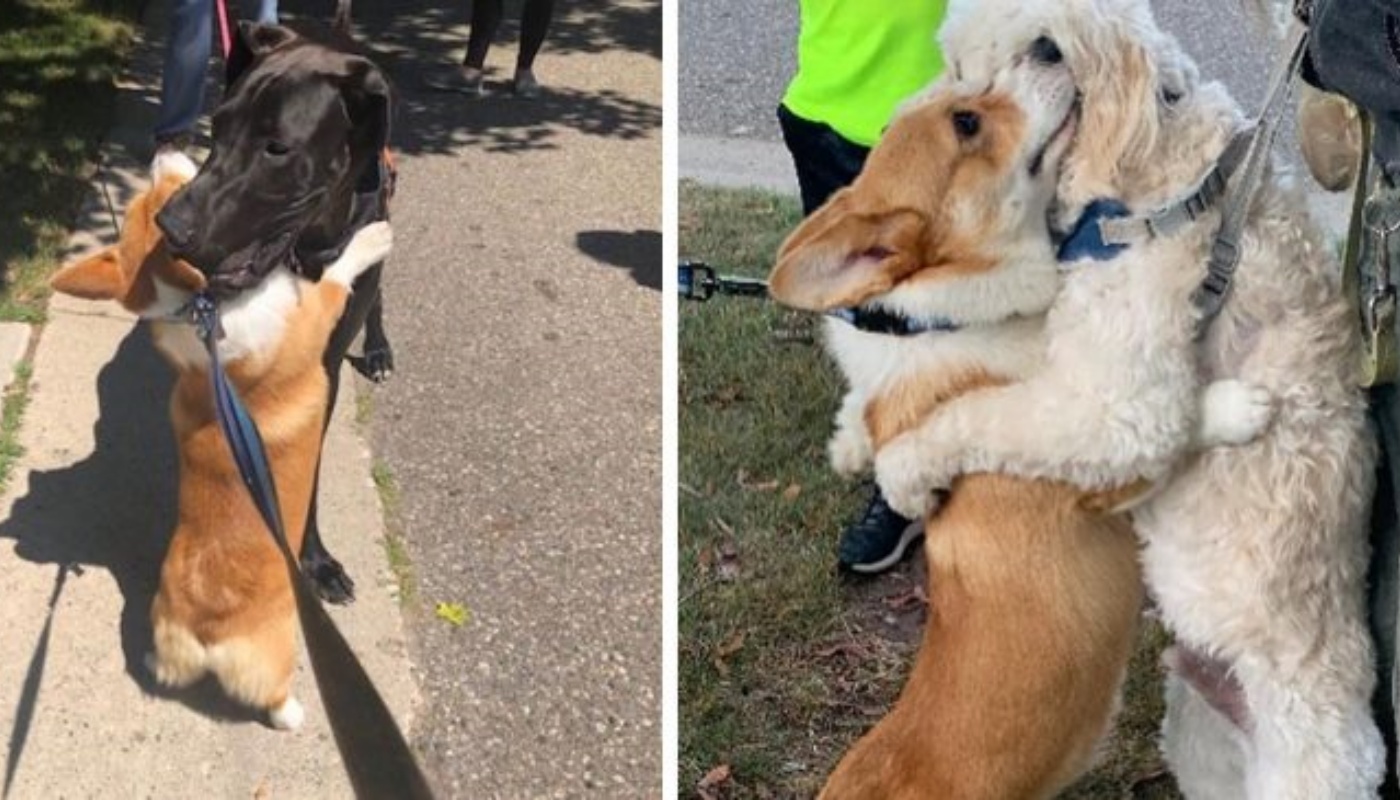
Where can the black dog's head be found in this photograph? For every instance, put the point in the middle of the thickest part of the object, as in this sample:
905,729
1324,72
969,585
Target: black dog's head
300,130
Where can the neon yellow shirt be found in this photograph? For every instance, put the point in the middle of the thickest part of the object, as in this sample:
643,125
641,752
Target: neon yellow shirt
857,59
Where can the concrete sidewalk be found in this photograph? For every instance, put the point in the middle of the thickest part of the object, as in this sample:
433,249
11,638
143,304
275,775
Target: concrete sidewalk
85,523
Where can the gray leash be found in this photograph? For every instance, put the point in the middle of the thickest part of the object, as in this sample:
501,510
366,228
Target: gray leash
1225,250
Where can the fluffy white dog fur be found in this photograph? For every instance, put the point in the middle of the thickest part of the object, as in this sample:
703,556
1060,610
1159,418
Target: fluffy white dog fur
1256,554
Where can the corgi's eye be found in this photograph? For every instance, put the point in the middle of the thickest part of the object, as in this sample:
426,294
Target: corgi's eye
1045,51
966,124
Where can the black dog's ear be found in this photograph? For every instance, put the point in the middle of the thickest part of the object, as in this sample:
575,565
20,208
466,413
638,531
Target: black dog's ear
368,101
252,39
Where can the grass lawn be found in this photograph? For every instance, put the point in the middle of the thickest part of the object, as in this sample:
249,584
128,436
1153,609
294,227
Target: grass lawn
782,663
57,63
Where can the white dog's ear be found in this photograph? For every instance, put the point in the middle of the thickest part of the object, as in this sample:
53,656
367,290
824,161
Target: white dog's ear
840,257
1119,79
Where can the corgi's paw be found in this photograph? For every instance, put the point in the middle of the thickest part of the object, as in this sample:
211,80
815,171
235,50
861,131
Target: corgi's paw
1234,412
288,716
369,246
907,478
849,451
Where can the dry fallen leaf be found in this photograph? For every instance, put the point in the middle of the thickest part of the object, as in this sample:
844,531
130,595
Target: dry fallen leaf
727,648
455,614
727,561
851,649
913,598
791,492
709,786
745,482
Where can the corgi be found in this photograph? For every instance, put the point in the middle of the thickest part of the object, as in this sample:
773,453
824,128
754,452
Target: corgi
1034,586
225,604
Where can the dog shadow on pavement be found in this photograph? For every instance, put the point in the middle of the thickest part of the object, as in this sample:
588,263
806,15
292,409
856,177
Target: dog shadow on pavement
636,251
115,511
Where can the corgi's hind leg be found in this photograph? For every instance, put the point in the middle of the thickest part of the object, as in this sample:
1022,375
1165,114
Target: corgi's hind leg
179,658
257,671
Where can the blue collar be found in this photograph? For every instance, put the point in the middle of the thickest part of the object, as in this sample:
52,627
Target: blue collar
1085,240
873,320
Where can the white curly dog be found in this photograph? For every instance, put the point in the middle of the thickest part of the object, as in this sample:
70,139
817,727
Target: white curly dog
1256,555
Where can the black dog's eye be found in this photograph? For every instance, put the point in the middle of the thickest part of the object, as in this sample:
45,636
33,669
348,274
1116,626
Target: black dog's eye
1169,97
966,124
1045,51
276,148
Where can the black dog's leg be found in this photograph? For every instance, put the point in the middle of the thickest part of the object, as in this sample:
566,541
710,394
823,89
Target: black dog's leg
326,573
377,363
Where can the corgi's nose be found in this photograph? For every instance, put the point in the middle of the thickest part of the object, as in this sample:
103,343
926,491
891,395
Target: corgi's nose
178,228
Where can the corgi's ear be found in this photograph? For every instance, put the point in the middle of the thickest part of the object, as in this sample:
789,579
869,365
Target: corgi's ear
96,277
839,257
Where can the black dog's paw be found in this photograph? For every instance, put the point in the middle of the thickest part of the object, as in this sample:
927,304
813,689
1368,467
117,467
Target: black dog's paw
376,364
330,580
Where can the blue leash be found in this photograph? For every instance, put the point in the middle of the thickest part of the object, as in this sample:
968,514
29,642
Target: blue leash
376,756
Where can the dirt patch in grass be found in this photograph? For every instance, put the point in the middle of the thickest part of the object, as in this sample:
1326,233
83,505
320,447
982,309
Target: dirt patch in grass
784,664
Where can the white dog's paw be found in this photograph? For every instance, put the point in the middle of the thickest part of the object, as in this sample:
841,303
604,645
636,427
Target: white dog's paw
1234,412
288,716
369,246
904,476
849,451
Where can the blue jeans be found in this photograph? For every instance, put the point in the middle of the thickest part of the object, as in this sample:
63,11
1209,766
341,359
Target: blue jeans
187,51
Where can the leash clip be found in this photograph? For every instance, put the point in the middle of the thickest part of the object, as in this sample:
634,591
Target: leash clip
203,313
696,281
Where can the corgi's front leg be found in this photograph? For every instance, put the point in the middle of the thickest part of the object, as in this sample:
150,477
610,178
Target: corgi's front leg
850,449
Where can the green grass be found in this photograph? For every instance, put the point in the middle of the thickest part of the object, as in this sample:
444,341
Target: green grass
58,59
364,407
11,413
395,549
782,665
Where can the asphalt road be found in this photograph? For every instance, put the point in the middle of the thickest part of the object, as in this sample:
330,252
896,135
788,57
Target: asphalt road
524,422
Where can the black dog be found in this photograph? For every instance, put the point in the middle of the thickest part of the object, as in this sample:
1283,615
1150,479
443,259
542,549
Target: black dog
298,164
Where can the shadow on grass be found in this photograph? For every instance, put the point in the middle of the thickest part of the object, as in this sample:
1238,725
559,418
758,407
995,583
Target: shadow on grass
57,62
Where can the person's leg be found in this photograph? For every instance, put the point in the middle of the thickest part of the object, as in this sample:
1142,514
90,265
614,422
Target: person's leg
187,51
486,18
534,24
823,160
1385,557
468,78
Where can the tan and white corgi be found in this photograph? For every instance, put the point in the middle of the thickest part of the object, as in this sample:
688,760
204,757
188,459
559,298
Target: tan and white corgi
1034,586
225,602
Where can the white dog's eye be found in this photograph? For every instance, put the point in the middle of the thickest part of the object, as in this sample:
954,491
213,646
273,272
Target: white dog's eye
1045,51
966,124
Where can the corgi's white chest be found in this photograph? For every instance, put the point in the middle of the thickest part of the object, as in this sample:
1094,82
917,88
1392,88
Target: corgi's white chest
254,322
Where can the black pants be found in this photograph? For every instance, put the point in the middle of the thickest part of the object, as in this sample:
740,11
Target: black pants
825,161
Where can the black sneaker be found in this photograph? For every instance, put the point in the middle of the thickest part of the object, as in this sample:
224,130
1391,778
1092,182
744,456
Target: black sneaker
876,541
